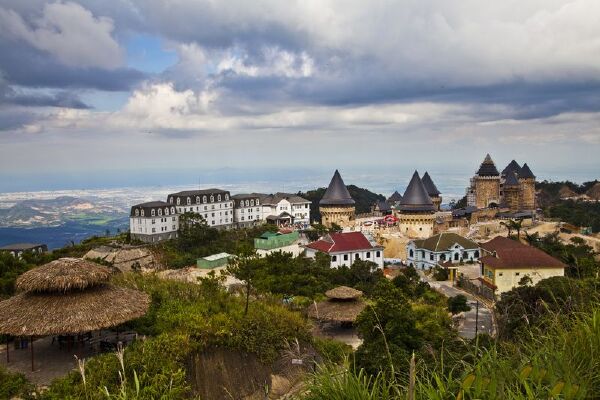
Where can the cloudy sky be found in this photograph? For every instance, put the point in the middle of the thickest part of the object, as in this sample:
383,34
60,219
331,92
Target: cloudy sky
134,87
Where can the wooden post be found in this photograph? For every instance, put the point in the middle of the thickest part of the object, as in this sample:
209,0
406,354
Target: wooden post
31,342
7,347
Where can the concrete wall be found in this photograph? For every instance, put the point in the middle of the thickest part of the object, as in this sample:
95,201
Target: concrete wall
339,259
425,259
505,279
153,225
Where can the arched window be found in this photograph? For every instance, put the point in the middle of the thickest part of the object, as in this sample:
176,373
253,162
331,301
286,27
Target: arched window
172,210
411,253
247,203
455,256
137,212
197,199
256,201
171,200
204,199
153,212
219,198
178,201
476,253
251,203
160,212
226,197
443,257
167,211
212,199
189,201
142,213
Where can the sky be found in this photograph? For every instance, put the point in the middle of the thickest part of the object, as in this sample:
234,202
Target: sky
132,91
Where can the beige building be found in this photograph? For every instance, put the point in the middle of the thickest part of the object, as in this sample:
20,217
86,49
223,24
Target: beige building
337,206
507,262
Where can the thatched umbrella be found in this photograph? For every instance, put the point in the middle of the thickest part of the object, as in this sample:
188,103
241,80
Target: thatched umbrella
68,296
343,305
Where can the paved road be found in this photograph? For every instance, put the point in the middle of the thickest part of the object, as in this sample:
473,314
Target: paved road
467,328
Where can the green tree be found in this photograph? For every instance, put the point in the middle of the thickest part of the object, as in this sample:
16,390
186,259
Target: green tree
193,231
458,304
244,267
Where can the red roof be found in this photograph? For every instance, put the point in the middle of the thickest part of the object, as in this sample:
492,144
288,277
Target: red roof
342,242
514,254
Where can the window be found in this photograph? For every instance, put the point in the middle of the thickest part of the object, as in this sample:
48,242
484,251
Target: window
357,256
171,200
431,256
178,201
142,213
219,198
137,212
411,253
345,257
153,212
226,197
172,210
334,258
476,253
368,254
517,273
378,254
247,203
160,212
455,256
189,201
212,199
166,211
256,201
443,257
499,274
252,203
204,199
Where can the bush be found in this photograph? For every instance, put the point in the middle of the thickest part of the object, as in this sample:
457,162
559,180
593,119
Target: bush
440,274
14,385
458,304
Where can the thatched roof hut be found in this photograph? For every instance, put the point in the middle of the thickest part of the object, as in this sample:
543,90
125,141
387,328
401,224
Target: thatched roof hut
68,296
344,305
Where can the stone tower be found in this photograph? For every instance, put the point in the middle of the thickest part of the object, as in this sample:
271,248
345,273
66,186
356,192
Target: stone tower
527,188
511,192
487,184
432,191
337,206
416,210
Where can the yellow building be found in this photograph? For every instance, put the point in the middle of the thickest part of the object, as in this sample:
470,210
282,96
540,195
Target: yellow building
508,263
337,206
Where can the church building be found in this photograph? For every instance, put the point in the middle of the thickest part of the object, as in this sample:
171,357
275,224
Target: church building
337,206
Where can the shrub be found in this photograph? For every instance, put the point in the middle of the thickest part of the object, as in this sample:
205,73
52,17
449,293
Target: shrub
458,304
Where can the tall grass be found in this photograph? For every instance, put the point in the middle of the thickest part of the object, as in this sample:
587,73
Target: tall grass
561,362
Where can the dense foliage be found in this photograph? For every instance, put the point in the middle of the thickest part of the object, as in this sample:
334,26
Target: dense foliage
585,214
14,385
363,198
457,304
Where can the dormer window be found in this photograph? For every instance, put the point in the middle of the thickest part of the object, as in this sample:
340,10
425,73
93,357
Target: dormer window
142,213
172,210
219,198
256,201
212,199
252,203
166,211
197,199
204,199
137,212
171,200
189,201
226,197
178,201
160,212
247,203
153,212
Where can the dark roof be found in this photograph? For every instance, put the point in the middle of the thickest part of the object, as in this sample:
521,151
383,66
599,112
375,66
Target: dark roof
487,167
21,246
337,193
395,197
511,179
464,211
149,206
432,190
444,241
342,242
381,205
514,254
526,173
513,166
248,196
272,199
193,194
415,196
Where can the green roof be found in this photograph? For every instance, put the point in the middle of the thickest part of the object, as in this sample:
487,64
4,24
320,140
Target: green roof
443,241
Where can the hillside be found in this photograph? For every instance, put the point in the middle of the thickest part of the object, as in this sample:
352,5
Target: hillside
364,199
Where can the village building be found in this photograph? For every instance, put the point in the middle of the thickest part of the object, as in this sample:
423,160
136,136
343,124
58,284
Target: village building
441,248
285,241
513,189
394,200
381,208
214,261
508,263
214,205
17,249
247,210
416,212
345,248
153,222
285,209
337,206
432,191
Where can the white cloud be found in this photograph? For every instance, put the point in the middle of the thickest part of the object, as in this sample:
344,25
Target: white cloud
69,32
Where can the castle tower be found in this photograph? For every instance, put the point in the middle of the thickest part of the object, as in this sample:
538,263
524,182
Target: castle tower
432,191
487,184
511,192
527,188
416,210
337,206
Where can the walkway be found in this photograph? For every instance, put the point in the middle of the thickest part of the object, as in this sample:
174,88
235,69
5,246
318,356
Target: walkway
468,327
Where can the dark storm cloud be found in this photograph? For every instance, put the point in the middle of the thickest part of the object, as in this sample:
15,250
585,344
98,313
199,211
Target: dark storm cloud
11,96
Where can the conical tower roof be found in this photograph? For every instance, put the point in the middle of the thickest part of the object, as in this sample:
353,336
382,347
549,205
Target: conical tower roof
511,179
432,190
488,168
513,166
337,193
395,197
415,197
526,173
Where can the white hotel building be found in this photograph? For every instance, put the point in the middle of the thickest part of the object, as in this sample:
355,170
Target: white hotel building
247,210
214,205
286,205
153,221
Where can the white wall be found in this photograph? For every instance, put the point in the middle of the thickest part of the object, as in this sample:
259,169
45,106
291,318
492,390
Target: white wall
154,225
425,259
339,259
216,214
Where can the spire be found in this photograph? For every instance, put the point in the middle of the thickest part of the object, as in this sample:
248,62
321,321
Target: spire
415,197
395,197
432,190
512,167
511,179
526,173
337,193
488,168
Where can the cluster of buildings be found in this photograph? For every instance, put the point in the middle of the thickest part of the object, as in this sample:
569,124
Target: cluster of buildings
159,220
